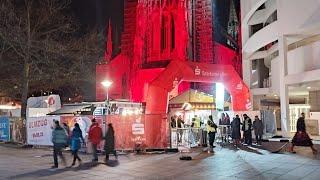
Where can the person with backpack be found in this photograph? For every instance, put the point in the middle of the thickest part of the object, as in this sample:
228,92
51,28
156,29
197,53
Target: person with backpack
76,139
95,136
59,140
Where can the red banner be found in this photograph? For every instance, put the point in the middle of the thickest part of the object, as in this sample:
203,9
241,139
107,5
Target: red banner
144,131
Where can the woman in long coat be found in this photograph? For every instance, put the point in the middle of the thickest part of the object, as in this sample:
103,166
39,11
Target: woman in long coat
301,138
109,142
235,125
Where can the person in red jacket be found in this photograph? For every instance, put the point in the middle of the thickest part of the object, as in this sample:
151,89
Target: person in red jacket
95,136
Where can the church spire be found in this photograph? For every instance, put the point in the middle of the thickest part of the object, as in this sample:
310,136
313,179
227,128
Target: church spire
233,24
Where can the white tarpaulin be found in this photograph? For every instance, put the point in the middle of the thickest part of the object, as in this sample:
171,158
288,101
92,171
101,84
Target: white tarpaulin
39,130
51,102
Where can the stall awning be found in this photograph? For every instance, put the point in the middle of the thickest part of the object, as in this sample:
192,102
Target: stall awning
197,99
192,96
72,109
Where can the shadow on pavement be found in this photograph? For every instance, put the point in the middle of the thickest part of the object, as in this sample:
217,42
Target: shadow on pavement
243,148
49,171
250,149
112,163
40,173
86,166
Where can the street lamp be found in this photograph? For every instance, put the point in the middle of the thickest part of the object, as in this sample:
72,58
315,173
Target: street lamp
106,84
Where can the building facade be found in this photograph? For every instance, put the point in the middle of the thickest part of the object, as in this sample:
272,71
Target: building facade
159,32
281,56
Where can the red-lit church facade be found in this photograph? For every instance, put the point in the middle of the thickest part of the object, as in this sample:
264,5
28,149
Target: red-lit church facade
168,42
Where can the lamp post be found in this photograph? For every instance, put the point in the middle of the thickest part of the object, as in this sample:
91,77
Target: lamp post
106,84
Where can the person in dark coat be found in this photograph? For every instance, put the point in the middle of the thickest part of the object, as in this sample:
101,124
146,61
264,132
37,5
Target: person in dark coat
247,128
301,137
76,139
109,142
212,129
235,125
258,129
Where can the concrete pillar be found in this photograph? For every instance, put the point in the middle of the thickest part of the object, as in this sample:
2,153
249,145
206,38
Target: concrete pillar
246,68
247,72
284,96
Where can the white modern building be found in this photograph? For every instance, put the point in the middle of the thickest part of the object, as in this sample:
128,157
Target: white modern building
281,57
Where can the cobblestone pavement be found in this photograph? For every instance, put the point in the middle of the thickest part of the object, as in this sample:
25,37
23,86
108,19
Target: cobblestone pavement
224,163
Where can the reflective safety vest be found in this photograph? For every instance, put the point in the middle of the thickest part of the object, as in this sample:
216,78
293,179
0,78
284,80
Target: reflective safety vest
197,123
210,129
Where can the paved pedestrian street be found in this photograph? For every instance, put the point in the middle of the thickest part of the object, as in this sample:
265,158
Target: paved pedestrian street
224,163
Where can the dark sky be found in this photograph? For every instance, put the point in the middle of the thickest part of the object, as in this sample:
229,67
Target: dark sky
97,12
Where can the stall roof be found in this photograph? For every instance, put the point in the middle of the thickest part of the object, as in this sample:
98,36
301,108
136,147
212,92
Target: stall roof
71,109
192,96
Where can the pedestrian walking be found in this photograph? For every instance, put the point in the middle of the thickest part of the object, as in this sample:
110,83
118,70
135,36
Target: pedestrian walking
95,136
247,128
235,126
59,140
109,142
258,129
301,137
76,139
67,129
212,129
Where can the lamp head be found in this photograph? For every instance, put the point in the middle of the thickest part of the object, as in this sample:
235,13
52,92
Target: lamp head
106,83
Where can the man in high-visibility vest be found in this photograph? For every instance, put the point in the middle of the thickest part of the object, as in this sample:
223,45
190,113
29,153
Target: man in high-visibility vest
212,129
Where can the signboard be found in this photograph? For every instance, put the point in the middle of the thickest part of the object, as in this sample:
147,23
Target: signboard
39,130
4,129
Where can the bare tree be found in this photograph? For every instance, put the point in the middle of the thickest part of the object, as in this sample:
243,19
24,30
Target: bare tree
38,44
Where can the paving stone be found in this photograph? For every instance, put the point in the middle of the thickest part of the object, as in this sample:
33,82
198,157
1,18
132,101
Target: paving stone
223,164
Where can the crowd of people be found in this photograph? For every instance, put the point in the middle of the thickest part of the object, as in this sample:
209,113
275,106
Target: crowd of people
232,130
63,137
228,129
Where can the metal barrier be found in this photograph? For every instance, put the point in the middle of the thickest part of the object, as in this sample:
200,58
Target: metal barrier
188,137
224,133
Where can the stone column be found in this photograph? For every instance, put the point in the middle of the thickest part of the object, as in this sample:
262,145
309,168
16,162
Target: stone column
284,96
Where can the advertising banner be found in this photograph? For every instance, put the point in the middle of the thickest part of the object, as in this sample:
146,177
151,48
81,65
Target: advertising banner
39,130
83,121
139,131
129,131
4,129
